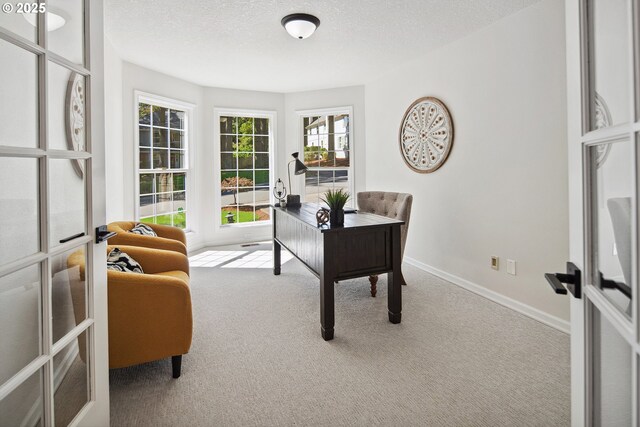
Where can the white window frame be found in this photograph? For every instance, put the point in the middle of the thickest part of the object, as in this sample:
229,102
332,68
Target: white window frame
240,112
189,109
352,145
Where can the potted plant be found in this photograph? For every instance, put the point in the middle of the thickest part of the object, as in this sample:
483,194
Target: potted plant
336,200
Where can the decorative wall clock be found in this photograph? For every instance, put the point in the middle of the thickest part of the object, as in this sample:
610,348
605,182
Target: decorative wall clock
426,135
74,103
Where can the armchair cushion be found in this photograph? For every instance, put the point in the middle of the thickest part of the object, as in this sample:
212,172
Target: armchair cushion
143,230
121,261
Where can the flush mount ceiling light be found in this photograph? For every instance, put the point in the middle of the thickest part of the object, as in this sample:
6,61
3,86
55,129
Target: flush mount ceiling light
300,25
54,21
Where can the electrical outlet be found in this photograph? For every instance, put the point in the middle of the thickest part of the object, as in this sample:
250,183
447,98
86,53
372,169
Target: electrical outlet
495,262
511,267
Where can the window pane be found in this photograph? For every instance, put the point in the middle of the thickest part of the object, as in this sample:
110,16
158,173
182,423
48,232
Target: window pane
24,405
68,40
326,182
178,181
160,138
67,201
342,158
144,114
246,213
163,204
23,25
613,178
150,220
229,211
160,116
245,179
72,393
179,201
228,143
227,124
341,180
245,161
19,208
180,219
229,179
18,83
68,291
610,60
144,136
160,159
65,109
146,205
176,139
262,126
146,183
261,177
145,158
340,124
177,119
245,125
262,161
177,159
261,143
164,183
311,187
245,196
228,161
245,144
20,321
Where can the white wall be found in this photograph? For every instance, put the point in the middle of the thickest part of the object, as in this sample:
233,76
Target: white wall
503,190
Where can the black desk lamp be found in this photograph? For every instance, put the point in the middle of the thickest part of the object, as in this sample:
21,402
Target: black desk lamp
293,200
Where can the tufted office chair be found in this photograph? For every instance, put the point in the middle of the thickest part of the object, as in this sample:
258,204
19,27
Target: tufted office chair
391,205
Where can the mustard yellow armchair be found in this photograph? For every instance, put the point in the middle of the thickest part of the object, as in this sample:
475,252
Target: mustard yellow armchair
150,314
169,238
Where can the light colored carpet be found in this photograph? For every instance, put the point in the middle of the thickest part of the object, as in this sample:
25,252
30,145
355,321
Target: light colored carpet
258,359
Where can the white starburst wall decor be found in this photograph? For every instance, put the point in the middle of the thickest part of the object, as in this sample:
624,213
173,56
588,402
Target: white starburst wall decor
426,135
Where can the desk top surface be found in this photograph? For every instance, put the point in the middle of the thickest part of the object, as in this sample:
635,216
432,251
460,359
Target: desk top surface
307,214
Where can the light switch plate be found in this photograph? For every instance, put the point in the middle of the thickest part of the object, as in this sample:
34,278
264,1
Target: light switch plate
511,267
495,262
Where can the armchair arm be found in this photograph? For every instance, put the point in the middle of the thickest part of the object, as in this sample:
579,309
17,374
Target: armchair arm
126,238
150,318
169,232
155,260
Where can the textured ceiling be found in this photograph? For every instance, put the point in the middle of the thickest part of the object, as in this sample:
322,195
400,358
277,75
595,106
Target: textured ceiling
241,44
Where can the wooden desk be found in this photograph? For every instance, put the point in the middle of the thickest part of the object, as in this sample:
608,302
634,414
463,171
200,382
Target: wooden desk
367,244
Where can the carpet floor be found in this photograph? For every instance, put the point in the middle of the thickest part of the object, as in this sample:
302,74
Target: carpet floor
258,359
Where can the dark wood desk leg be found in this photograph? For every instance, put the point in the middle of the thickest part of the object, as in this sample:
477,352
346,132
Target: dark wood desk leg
327,312
394,278
277,248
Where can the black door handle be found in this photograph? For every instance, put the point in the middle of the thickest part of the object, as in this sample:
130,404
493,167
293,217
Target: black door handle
572,278
612,284
70,238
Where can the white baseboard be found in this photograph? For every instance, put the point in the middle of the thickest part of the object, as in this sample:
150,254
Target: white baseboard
527,310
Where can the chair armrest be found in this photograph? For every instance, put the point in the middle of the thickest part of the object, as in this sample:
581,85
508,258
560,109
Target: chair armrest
155,260
169,232
133,239
150,318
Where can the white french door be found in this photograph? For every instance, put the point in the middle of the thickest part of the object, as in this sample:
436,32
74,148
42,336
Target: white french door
604,164
53,330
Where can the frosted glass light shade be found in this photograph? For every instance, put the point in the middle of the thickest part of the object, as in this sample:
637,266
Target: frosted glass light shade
300,25
54,21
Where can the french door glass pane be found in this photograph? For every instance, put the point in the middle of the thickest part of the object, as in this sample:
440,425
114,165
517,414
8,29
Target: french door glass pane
612,375
18,83
20,320
67,200
66,109
24,25
612,185
68,40
23,406
68,291
19,208
70,368
609,22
